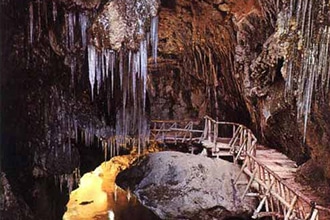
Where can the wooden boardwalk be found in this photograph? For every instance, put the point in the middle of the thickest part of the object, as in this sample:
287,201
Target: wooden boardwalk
271,173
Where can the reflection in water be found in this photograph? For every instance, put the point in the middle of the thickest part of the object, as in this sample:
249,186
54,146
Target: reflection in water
99,198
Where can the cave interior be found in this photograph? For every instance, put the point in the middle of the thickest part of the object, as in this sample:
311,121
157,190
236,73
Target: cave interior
80,75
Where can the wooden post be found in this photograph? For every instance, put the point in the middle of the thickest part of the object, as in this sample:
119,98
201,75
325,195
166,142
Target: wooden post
283,196
209,128
191,128
264,200
314,215
175,134
259,176
215,136
241,171
162,130
271,200
241,136
291,208
249,143
249,184
234,130
205,130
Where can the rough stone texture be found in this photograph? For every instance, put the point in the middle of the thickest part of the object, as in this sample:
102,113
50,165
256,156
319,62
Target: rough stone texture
226,58
245,77
83,4
122,22
268,43
193,75
12,207
184,186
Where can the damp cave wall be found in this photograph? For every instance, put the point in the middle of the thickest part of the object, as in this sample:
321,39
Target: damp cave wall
39,108
260,63
52,128
209,62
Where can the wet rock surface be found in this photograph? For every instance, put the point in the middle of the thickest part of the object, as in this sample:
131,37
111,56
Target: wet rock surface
11,206
182,186
251,62
122,22
263,70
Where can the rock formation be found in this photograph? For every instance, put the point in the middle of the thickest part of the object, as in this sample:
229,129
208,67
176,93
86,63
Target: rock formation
260,63
184,186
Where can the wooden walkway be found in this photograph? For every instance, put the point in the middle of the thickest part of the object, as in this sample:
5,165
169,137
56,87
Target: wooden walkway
271,174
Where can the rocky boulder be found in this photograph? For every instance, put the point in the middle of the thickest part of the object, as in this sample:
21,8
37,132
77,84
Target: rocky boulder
183,186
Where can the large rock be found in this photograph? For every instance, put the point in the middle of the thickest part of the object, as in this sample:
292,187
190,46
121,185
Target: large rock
183,186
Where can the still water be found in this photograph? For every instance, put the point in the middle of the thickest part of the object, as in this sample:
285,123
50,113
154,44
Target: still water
98,197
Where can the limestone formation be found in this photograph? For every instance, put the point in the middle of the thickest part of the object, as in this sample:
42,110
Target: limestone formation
184,186
264,64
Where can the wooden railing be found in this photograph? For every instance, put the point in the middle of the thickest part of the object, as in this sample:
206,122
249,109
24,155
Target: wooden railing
175,131
241,139
279,199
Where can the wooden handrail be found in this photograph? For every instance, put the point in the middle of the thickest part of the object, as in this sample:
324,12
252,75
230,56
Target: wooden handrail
229,123
195,121
299,194
243,142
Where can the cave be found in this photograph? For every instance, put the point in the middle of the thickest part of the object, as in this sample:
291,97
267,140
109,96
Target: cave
83,80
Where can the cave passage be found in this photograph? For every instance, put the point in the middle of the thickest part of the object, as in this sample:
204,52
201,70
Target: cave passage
83,80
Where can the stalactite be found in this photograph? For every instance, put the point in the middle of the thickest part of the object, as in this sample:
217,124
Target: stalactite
54,11
307,64
71,24
91,66
31,20
130,69
39,19
71,180
154,37
83,21
121,75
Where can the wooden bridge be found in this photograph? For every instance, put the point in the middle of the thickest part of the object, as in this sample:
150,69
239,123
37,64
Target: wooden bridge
270,173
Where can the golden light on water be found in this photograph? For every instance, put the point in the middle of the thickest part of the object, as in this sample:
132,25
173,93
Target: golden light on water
97,193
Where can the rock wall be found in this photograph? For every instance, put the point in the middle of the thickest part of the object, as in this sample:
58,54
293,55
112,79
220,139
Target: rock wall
260,63
193,75
288,77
